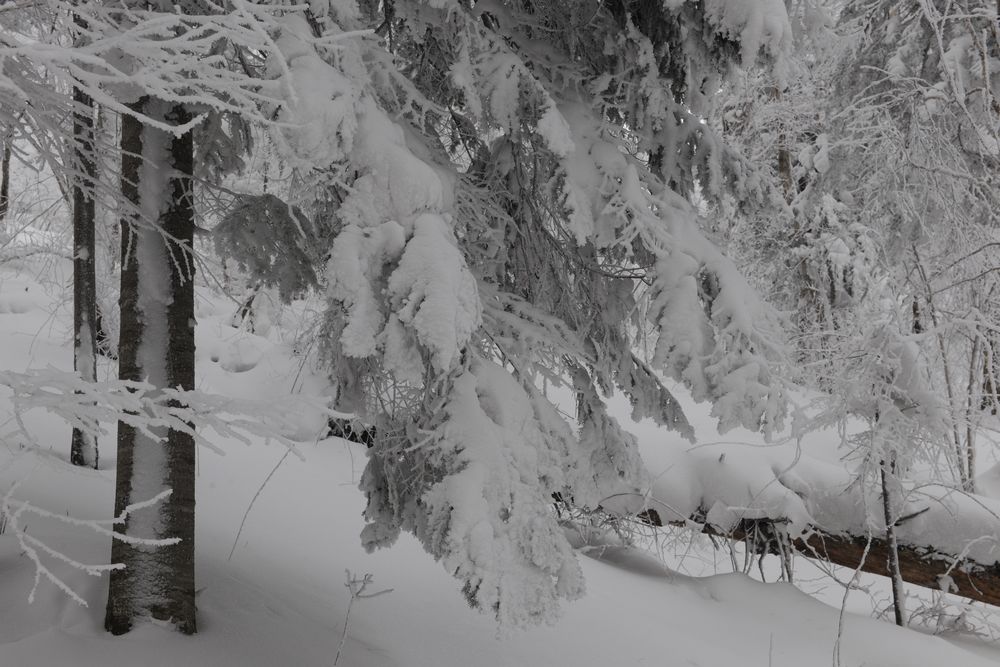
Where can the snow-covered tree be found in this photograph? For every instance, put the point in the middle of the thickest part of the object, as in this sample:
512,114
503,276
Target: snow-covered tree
117,58
512,186
514,192
893,165
917,162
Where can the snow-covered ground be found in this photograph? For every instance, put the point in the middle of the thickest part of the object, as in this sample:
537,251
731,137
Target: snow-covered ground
279,597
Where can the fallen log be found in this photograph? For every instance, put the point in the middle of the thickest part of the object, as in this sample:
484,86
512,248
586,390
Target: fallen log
926,567
353,430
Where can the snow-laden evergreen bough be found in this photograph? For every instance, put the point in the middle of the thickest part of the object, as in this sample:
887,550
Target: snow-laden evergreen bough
512,188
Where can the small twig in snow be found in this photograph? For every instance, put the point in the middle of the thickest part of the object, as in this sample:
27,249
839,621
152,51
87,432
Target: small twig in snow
254,499
357,588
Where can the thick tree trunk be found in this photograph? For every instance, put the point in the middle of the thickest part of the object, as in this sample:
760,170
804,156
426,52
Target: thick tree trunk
83,447
157,345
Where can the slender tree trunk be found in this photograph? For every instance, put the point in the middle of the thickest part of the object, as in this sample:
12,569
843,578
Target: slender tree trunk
971,418
888,478
157,345
5,180
953,408
784,157
990,399
83,447
108,237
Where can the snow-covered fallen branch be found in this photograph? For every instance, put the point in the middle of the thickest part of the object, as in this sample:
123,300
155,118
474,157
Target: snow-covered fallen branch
921,566
949,540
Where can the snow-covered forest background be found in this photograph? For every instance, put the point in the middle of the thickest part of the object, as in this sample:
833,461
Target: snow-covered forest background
499,332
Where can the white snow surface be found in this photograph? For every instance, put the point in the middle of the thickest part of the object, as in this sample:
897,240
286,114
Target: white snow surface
281,599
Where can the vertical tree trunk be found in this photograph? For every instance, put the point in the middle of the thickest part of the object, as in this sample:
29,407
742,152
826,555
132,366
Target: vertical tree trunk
888,479
5,180
156,344
108,241
971,401
990,399
784,157
83,447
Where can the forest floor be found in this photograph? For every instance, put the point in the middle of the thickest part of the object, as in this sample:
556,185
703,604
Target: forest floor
277,594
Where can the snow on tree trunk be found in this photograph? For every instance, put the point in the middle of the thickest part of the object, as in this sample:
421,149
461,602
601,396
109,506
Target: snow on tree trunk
156,345
83,447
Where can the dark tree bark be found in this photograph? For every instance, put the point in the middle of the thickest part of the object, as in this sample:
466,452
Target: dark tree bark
83,447
991,370
887,470
5,180
156,344
921,566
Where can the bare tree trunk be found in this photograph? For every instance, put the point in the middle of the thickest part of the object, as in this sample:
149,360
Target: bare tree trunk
953,409
784,157
5,180
990,399
156,345
83,447
971,401
888,472
108,238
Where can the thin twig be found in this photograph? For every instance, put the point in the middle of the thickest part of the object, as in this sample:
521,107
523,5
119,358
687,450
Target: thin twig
254,499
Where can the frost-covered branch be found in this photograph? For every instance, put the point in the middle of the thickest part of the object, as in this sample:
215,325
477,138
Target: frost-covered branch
147,408
14,510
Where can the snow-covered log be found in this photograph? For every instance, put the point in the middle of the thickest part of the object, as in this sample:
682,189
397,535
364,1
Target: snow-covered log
778,495
921,566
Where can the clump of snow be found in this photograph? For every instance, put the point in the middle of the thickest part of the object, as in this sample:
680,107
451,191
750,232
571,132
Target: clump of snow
320,116
554,128
433,291
356,253
821,160
757,24
593,168
398,185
